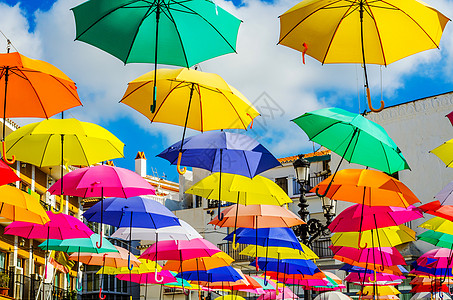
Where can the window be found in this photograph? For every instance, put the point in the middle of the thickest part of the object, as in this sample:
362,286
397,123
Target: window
283,183
296,187
2,260
198,201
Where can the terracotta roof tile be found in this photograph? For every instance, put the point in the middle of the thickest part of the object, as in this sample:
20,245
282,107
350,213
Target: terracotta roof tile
289,159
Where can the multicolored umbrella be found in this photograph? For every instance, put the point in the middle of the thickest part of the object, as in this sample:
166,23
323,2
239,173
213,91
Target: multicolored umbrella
111,259
368,257
379,290
288,266
217,260
332,296
225,273
273,236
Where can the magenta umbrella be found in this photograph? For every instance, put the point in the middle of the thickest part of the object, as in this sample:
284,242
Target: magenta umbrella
373,217
383,256
148,278
272,294
436,258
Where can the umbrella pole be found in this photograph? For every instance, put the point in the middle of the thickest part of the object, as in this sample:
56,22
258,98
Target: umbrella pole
379,244
265,266
361,11
336,170
178,163
153,106
219,213
155,271
78,286
278,265
284,281
198,278
4,113
361,222
61,180
99,245
129,265
47,251
256,243
102,280
234,244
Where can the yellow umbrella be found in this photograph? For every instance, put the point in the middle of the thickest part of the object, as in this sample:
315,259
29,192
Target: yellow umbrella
146,266
17,205
444,152
230,297
240,189
380,290
190,98
438,224
382,237
376,32
54,142
279,252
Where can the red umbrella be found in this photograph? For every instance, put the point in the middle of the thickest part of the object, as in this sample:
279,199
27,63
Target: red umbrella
7,175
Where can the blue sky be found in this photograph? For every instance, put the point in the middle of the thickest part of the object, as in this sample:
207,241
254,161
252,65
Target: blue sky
272,77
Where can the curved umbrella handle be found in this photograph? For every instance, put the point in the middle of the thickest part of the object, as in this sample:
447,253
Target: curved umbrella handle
265,282
100,294
185,292
369,102
359,240
375,277
155,277
234,244
251,123
219,213
13,158
365,294
79,286
152,108
382,268
178,165
99,245
325,192
61,207
130,266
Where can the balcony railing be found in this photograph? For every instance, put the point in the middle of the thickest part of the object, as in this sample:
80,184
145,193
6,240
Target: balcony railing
321,248
228,249
313,181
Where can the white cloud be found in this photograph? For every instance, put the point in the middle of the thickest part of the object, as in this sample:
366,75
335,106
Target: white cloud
260,66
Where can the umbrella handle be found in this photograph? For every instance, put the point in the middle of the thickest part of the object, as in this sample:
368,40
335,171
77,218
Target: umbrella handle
251,123
99,244
155,277
178,165
100,294
13,158
61,207
359,240
369,102
79,286
375,277
219,213
256,263
129,265
186,292
382,268
234,244
153,106
325,192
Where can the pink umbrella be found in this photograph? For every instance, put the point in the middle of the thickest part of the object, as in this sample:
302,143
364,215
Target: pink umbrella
272,294
383,256
436,258
358,277
180,250
148,278
102,181
373,217
60,227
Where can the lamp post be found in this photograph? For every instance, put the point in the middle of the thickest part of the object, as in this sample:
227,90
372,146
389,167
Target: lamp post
302,167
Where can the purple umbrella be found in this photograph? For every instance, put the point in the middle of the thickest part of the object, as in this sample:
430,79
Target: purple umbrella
223,152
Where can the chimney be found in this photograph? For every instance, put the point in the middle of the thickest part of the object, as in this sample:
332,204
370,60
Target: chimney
140,164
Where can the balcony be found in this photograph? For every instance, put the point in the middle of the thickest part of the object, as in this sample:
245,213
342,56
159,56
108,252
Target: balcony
321,248
228,249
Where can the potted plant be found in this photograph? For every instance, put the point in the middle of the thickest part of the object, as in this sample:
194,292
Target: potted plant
4,283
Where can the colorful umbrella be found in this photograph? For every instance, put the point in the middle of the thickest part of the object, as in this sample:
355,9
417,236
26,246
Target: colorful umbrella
103,181
373,217
354,138
438,224
217,260
438,239
286,293
274,236
378,32
33,88
288,266
359,277
179,250
444,152
182,232
445,196
382,256
79,245
279,252
112,259
436,209
379,290
332,296
430,296
226,273
7,175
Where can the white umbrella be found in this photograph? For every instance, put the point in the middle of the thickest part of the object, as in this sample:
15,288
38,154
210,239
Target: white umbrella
428,295
332,296
183,232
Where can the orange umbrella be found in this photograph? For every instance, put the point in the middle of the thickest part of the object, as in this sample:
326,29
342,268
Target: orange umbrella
244,284
217,260
33,88
367,187
257,216
110,259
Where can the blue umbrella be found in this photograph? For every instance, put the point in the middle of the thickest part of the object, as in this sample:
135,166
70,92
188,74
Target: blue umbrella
213,275
222,152
287,266
132,212
275,236
351,268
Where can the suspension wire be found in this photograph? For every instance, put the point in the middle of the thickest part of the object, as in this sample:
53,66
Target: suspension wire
358,87
9,41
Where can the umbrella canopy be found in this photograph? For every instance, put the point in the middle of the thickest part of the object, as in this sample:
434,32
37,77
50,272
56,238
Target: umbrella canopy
384,256
288,266
444,153
240,189
230,297
145,266
279,252
102,181
367,187
112,259
274,236
135,211
445,196
17,205
432,289
332,296
428,295
382,297
149,278
79,245
436,209
438,239
373,217
181,232
217,260
436,258
180,250
286,293
226,273
438,224
157,31
429,281
35,88
379,290
354,138
394,270
382,237
7,175
257,216
358,277
204,101
60,227
248,284
236,153
67,140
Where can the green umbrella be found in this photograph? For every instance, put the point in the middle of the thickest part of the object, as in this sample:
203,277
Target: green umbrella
438,239
179,33
354,138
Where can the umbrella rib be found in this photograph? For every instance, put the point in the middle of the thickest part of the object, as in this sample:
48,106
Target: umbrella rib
201,107
378,32
295,26
386,159
234,108
247,163
324,129
163,101
83,150
179,37
45,147
355,144
213,27
35,92
136,33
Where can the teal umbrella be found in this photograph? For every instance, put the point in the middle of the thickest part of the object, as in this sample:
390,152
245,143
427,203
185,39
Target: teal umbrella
354,138
179,33
439,239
